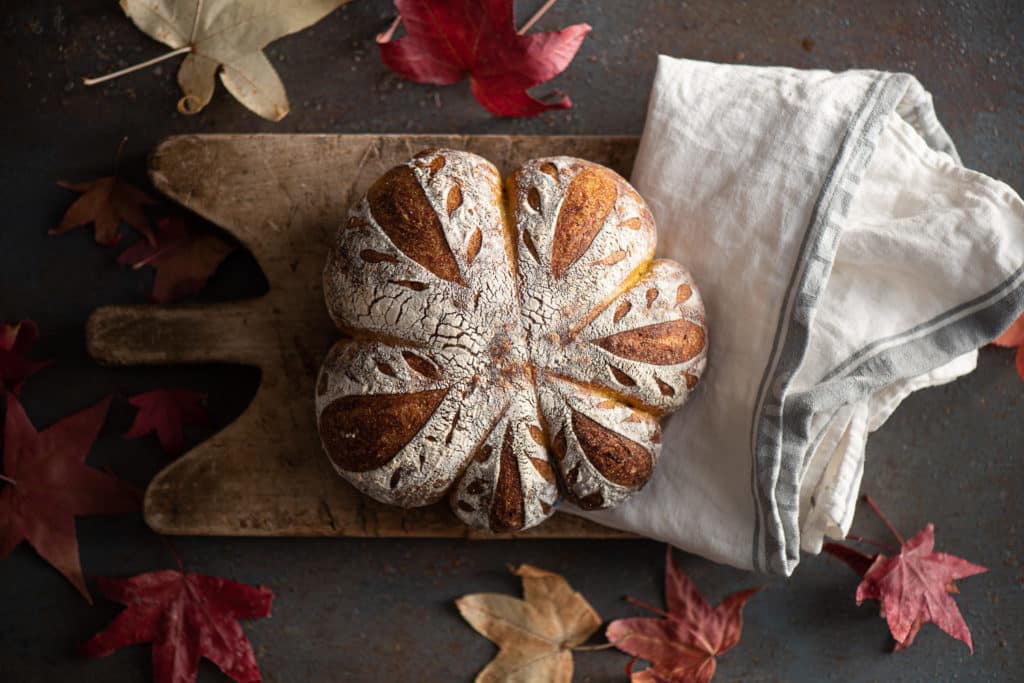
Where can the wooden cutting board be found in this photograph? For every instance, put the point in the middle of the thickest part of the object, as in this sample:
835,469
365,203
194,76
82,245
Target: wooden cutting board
283,196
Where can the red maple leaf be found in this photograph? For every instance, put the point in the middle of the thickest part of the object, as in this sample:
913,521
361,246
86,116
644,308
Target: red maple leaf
184,260
1013,337
912,588
861,563
914,585
185,617
447,41
683,645
16,340
166,411
48,484
106,202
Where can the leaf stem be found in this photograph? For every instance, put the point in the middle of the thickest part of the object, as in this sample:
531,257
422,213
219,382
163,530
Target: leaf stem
174,552
641,603
885,520
8,480
137,67
536,17
870,541
117,156
387,35
594,648
160,251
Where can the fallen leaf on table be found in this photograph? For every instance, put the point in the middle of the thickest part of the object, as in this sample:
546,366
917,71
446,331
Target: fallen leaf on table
913,589
106,202
185,617
184,260
535,636
914,586
166,411
681,646
225,33
1013,337
47,484
448,41
16,340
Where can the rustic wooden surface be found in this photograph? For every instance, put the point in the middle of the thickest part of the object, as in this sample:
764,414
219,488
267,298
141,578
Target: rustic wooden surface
283,197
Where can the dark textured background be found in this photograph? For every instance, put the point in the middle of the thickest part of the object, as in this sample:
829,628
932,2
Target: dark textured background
381,610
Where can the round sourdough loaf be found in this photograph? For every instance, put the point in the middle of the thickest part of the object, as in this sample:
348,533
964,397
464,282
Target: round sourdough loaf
504,346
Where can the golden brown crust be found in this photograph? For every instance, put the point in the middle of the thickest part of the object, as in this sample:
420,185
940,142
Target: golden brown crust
669,343
400,207
361,433
454,199
473,248
618,459
507,508
588,200
421,365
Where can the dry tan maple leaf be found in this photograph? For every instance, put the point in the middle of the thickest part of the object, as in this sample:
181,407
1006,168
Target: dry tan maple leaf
229,34
536,636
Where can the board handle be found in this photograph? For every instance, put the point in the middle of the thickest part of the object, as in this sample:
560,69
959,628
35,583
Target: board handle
233,332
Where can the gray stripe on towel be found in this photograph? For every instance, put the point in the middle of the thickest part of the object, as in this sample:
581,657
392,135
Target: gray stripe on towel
912,353
779,463
807,283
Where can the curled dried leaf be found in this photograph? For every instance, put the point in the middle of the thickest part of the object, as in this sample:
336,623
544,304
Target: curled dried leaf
228,36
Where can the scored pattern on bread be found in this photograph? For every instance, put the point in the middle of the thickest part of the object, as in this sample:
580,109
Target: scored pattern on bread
505,345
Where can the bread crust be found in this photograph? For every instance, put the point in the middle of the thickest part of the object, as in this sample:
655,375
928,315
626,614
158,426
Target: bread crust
506,346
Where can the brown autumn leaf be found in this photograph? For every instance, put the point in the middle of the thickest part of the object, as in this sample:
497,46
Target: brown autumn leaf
106,203
229,34
535,636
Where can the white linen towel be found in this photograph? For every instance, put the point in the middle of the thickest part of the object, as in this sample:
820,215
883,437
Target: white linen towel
846,259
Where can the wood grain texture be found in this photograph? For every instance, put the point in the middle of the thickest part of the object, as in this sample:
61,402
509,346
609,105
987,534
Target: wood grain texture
283,196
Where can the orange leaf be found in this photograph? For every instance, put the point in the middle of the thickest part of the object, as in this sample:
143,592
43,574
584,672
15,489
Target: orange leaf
1013,335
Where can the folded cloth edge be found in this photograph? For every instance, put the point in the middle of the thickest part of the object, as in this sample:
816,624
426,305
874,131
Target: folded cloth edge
776,545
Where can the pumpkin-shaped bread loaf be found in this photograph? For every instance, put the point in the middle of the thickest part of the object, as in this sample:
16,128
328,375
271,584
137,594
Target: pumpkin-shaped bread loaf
506,347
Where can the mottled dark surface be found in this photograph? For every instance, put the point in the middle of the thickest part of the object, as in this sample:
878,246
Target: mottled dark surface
381,610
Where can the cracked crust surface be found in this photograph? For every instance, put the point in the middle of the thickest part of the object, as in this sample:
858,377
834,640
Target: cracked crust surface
506,345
